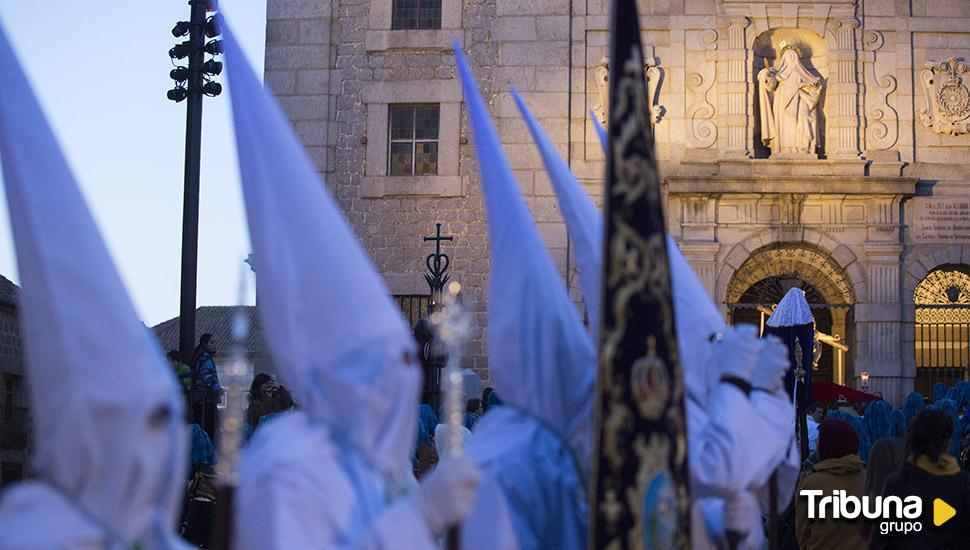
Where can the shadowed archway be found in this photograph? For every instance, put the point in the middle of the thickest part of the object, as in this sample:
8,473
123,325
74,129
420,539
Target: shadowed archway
764,278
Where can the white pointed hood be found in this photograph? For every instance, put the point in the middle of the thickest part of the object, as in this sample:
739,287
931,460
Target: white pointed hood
336,336
792,310
587,237
107,414
541,358
696,315
600,131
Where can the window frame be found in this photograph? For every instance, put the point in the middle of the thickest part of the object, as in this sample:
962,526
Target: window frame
413,107
380,35
417,18
376,182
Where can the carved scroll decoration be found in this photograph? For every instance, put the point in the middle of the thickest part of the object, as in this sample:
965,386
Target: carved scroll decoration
883,119
701,128
601,75
654,76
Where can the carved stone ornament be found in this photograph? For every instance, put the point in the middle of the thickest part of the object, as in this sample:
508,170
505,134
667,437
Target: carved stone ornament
602,76
654,76
947,96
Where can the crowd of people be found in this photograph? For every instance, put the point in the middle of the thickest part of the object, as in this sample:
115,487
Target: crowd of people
871,449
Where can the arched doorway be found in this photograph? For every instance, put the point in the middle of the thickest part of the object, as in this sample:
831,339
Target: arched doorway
764,278
942,333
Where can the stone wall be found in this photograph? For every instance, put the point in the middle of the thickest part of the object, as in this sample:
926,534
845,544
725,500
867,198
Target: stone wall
884,172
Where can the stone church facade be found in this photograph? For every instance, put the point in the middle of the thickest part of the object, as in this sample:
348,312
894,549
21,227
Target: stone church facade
821,144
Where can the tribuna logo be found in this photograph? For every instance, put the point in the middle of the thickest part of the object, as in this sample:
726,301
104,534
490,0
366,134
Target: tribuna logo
898,515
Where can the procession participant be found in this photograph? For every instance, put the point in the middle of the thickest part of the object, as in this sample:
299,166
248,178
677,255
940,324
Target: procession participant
110,442
534,449
330,474
719,443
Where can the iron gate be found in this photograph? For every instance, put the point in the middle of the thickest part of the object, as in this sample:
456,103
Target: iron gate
942,345
416,307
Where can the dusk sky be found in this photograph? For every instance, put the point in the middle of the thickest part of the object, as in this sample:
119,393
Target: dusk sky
101,73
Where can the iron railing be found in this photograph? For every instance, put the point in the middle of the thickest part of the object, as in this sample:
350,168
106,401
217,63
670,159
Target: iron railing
14,426
942,345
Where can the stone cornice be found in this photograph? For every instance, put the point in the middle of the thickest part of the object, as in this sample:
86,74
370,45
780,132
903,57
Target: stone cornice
800,185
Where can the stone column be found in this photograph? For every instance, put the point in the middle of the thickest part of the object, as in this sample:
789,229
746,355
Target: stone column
879,321
733,88
702,257
842,122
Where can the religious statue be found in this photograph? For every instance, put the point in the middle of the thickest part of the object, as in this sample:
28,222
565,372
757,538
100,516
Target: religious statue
789,96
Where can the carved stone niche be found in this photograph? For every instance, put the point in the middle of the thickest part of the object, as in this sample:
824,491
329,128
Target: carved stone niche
947,96
654,76
790,74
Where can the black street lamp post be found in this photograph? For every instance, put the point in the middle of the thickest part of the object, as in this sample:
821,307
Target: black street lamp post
191,83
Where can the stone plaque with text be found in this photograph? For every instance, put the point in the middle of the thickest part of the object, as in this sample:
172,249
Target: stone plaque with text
942,220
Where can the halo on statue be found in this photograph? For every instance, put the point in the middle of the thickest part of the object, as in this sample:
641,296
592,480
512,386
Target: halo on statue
802,50
772,43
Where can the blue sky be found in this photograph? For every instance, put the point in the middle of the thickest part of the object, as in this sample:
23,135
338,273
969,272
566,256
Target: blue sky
100,69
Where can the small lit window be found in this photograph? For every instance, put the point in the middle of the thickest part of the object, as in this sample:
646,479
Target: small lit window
413,137
416,14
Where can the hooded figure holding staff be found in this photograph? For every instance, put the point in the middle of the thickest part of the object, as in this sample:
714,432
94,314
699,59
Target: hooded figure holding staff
330,475
724,425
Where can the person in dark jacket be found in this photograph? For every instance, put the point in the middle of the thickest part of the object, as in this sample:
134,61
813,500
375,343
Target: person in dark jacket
929,473
473,412
206,391
885,459
839,468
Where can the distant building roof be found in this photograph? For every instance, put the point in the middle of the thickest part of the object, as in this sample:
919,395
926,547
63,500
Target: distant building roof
8,291
216,320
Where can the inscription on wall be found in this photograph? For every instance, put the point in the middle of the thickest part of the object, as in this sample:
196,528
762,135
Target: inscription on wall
942,220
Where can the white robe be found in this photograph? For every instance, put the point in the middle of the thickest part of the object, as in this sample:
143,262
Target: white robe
35,516
293,470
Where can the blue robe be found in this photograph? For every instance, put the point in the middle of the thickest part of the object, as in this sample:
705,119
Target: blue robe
540,501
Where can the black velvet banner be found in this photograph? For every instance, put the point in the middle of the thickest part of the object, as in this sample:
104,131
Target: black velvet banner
639,496
800,340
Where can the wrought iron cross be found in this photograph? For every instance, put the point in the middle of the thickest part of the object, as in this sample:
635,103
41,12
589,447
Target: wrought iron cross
437,263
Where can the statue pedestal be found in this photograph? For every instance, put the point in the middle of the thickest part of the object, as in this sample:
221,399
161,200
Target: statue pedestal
808,166
794,156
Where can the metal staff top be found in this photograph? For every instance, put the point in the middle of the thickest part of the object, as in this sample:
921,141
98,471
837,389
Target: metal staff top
453,326
236,373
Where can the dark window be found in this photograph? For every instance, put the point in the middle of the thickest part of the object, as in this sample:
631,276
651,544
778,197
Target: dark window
14,428
416,14
413,139
11,472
